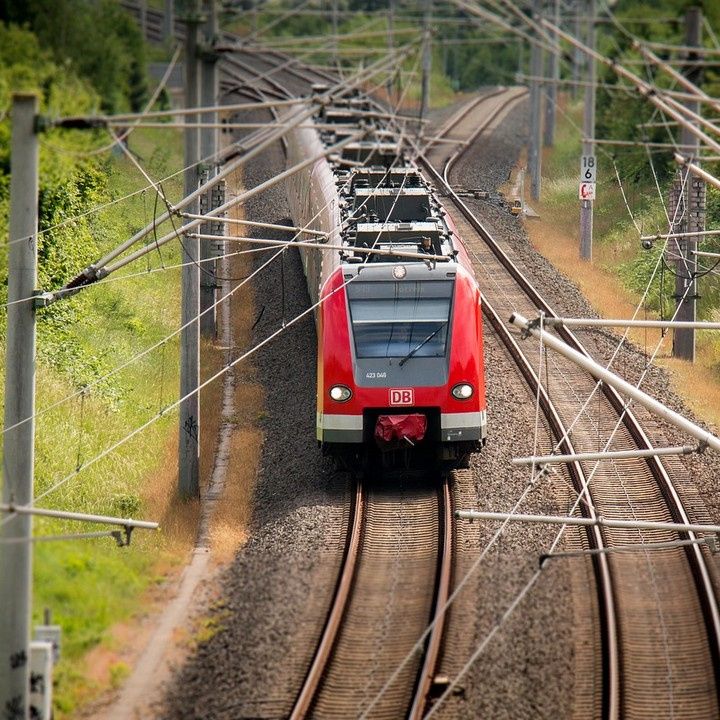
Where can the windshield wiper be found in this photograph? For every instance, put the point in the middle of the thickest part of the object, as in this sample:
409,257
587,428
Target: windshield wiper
424,342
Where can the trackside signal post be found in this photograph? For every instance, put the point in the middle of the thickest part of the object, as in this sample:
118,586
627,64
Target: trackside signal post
16,550
586,202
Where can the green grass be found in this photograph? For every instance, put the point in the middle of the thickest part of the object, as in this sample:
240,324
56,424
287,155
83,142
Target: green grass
91,584
615,234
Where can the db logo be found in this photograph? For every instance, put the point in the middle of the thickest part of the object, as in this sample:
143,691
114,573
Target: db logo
402,396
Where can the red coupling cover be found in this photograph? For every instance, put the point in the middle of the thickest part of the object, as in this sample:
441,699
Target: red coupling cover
400,431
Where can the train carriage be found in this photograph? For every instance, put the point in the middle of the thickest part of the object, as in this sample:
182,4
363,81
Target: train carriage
400,372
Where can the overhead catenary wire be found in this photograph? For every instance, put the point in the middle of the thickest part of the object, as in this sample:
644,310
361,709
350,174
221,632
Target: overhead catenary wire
96,270
519,598
387,57
165,340
109,268
492,17
653,94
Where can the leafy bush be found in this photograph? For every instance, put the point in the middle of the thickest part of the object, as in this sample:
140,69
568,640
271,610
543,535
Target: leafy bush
97,41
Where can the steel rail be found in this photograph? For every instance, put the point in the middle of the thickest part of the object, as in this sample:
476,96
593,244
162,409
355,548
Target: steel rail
458,117
442,592
256,75
611,659
288,64
701,570
323,653
320,75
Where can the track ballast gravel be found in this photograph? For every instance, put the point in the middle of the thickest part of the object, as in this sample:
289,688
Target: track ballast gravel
273,597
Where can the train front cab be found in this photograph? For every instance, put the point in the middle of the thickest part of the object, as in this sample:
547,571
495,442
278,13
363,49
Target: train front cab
400,364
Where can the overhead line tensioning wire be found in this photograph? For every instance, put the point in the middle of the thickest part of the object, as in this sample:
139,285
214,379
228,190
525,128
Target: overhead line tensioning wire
268,26
291,60
324,39
91,272
124,118
492,17
580,498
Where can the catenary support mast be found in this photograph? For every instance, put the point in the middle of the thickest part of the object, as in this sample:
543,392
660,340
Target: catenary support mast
208,148
18,458
189,446
586,206
693,189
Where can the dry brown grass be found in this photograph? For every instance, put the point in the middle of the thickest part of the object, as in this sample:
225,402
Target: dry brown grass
558,240
229,527
232,516
178,519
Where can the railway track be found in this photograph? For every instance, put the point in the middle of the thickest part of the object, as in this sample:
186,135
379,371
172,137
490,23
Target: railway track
395,576
247,69
659,646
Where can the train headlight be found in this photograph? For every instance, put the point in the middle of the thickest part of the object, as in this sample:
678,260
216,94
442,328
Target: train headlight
463,391
340,393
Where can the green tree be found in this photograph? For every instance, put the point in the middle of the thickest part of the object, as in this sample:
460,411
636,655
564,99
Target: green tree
99,41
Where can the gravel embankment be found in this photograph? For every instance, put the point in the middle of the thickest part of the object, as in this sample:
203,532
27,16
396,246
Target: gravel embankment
272,598
274,595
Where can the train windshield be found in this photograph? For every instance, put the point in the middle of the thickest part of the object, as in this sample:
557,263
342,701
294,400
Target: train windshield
400,319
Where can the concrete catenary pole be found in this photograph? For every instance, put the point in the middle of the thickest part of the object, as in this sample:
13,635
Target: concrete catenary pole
552,87
189,447
534,151
694,221
426,58
143,18
169,20
588,148
16,550
208,148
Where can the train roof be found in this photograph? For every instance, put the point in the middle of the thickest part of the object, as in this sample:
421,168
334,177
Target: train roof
386,202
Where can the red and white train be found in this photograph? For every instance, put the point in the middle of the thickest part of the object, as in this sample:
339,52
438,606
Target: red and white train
400,372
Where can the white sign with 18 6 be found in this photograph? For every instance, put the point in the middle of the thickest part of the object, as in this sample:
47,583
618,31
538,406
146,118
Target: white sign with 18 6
588,169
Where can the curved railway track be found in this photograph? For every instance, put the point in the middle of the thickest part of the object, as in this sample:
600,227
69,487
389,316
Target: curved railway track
661,653
660,645
397,566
